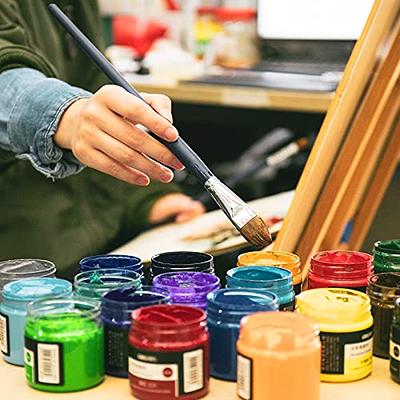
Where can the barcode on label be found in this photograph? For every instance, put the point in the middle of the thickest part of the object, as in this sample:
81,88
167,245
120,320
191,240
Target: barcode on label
193,371
243,377
48,363
4,334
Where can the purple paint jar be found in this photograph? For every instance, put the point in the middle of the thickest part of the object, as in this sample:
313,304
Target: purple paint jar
116,308
187,288
181,261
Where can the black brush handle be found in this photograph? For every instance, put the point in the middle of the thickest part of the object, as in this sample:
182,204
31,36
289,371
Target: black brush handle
179,147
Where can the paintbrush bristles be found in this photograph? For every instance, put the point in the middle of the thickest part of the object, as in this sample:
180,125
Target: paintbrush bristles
256,232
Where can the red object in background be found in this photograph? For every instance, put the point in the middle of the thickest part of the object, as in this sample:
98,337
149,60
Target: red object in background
168,353
131,31
235,14
337,268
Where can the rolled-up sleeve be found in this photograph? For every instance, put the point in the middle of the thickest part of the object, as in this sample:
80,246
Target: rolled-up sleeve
31,107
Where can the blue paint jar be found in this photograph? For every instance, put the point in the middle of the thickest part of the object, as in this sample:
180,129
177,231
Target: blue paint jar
272,279
181,261
92,285
116,308
120,261
225,309
16,296
187,288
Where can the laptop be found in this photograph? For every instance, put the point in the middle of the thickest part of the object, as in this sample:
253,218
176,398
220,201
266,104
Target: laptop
304,44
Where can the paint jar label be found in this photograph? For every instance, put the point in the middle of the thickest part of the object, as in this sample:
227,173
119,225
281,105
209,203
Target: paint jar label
346,353
394,350
244,377
4,335
172,373
44,362
116,349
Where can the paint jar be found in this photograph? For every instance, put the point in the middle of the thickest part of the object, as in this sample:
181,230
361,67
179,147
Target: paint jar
181,261
394,346
13,270
280,259
387,256
168,353
116,309
383,290
266,279
187,288
110,261
225,309
91,285
342,269
279,357
16,296
345,323
64,345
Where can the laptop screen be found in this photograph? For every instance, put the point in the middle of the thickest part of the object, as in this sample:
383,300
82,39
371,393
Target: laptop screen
312,19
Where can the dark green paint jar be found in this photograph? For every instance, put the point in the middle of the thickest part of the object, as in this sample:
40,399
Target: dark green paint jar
387,256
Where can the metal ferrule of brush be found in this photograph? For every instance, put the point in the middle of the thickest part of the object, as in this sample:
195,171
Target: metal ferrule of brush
234,207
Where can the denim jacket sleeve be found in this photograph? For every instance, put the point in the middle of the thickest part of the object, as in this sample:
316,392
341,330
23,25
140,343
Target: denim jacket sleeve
31,106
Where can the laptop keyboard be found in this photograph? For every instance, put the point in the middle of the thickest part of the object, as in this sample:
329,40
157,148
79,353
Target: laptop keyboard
308,68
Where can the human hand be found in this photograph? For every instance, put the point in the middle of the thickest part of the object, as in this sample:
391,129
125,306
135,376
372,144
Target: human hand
101,133
177,205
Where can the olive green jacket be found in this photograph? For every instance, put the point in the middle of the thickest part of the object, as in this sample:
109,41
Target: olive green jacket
84,214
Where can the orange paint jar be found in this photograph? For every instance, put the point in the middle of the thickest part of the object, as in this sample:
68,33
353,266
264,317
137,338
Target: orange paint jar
279,357
280,259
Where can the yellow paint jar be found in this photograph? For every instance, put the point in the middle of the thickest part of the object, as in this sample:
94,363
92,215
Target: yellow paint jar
346,330
280,259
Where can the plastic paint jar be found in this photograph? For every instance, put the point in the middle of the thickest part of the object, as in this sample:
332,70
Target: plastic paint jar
383,290
23,268
187,288
387,256
345,322
116,309
16,296
110,261
64,345
91,285
394,346
280,259
181,261
225,309
342,269
266,279
168,353
279,357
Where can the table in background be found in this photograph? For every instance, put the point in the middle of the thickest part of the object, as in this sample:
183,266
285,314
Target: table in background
238,96
376,386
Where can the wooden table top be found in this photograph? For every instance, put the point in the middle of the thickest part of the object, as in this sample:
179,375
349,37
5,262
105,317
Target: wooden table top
378,386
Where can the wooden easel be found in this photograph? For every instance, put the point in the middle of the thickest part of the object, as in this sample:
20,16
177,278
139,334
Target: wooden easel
357,148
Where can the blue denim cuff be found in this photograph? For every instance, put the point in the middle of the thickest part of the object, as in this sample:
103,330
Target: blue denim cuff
33,122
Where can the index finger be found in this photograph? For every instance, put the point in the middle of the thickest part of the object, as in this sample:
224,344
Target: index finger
139,112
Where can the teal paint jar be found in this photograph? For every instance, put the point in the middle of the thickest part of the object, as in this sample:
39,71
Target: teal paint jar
92,285
13,309
266,279
387,256
64,345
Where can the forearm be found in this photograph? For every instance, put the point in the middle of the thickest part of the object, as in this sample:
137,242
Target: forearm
31,107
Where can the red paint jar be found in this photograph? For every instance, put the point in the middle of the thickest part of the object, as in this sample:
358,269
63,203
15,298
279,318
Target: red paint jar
168,353
342,269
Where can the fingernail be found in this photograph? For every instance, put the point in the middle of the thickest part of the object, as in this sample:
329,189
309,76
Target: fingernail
142,180
167,176
178,165
171,134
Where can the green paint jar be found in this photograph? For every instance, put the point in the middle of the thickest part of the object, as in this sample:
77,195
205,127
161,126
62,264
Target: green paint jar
64,345
92,285
387,256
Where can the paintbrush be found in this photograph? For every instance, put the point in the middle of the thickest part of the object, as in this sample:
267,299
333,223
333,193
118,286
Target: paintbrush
245,220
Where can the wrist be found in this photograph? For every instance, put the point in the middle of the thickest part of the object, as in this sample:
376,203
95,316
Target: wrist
69,124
